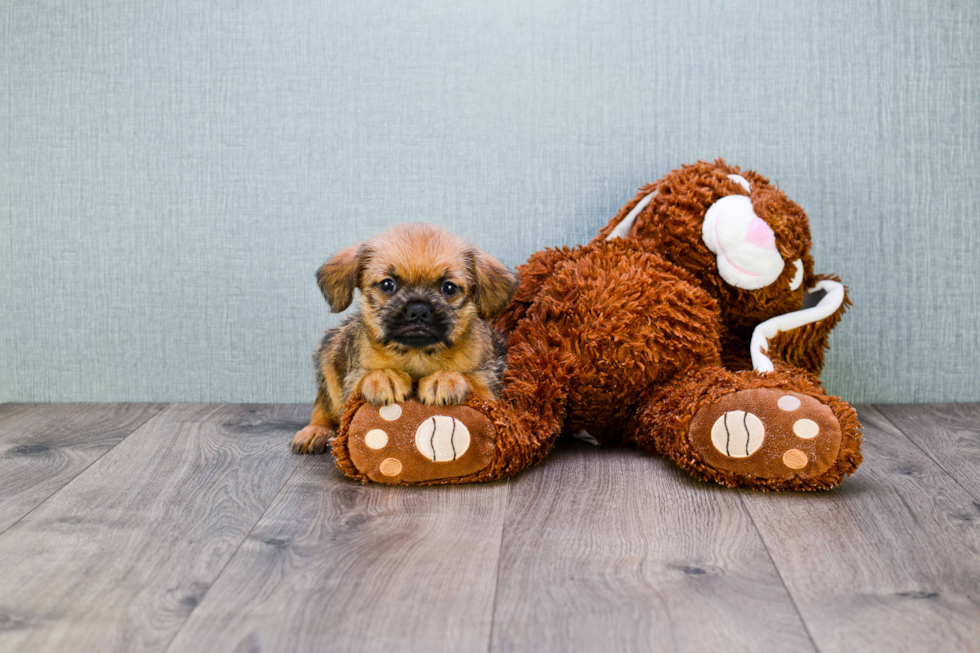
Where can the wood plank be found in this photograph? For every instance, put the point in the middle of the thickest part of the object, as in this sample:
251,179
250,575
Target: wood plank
889,561
44,446
339,566
117,559
947,433
610,549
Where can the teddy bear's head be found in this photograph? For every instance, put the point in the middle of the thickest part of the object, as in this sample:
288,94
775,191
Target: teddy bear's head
746,242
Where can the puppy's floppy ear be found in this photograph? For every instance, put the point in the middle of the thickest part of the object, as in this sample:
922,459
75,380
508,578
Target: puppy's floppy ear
494,283
338,277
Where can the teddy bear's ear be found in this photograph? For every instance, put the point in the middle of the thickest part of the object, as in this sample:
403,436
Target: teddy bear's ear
338,277
625,226
494,283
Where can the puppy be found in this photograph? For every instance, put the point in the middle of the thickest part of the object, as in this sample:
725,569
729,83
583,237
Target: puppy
426,296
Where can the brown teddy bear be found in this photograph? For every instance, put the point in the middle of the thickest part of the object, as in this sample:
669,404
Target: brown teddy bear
692,326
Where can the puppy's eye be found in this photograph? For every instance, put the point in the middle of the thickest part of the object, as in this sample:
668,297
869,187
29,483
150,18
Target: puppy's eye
387,286
449,288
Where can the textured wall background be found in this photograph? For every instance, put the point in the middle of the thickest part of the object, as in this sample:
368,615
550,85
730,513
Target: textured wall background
172,172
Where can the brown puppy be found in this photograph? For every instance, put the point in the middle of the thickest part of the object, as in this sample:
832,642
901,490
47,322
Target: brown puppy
426,296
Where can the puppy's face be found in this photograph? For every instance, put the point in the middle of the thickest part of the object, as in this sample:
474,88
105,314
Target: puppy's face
421,286
416,291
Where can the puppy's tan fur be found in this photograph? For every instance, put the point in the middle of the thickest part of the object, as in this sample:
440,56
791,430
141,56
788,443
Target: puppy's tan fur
360,355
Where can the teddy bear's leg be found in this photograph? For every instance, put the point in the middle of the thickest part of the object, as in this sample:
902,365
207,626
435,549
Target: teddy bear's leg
775,431
414,444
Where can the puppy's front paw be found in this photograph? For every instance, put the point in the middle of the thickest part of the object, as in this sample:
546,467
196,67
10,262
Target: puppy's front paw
443,389
313,439
383,387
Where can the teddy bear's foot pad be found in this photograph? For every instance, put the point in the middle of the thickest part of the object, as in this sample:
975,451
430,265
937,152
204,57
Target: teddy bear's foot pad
767,433
412,443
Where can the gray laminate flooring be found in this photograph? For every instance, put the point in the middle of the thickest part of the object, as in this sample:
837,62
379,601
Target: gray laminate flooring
181,527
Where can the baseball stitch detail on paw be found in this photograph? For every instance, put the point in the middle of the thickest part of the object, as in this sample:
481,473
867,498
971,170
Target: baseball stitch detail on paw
442,438
738,434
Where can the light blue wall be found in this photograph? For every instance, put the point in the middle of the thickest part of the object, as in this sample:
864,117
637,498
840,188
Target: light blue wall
173,172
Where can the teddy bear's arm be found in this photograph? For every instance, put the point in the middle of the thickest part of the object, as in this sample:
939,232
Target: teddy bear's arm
804,347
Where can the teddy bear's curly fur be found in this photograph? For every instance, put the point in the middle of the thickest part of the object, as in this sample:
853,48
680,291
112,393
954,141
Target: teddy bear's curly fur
637,337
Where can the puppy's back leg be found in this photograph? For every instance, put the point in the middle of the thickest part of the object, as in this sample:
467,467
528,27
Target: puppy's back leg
316,437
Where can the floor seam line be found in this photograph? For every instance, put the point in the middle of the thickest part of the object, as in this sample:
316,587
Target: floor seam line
232,556
84,469
779,574
924,452
496,578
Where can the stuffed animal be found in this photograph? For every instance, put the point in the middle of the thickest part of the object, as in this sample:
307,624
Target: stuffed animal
692,326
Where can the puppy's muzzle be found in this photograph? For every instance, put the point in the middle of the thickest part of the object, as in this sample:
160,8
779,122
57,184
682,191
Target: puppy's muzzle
418,324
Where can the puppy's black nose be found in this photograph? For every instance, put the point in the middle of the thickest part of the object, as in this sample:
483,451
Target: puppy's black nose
418,312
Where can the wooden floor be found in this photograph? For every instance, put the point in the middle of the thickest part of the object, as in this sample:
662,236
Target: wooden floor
192,528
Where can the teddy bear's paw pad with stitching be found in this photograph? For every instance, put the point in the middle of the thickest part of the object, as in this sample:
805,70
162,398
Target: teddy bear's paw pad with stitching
412,443
767,433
